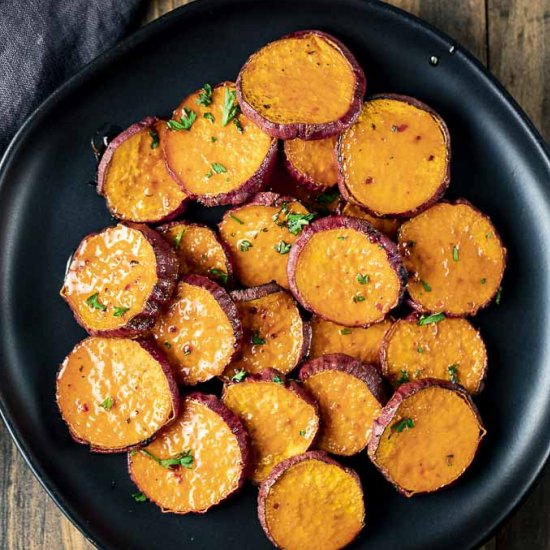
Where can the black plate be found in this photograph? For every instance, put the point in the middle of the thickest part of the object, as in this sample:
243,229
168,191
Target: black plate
46,207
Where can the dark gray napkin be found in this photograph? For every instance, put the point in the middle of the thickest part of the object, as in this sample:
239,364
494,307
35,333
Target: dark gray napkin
43,42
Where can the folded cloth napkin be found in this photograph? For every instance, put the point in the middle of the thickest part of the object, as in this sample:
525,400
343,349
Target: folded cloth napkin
44,42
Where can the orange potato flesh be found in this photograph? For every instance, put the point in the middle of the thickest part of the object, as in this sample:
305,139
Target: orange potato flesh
261,263
388,226
303,79
326,277
359,343
276,320
198,250
215,470
118,265
438,448
314,158
112,393
449,350
348,409
275,418
196,335
313,505
394,158
137,185
456,260
190,154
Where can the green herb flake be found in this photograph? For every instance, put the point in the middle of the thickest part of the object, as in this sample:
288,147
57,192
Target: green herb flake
107,403
154,139
94,303
483,281
430,319
296,222
213,139
453,373
185,122
209,116
184,459
278,380
362,279
488,235
239,376
455,253
403,377
177,238
218,168
358,298
209,174
167,345
139,497
283,248
420,349
394,128
345,331
426,286
219,274
341,238
120,311
498,296
327,197
404,424
245,245
238,125
450,459
205,95
303,433
234,218
231,109
256,339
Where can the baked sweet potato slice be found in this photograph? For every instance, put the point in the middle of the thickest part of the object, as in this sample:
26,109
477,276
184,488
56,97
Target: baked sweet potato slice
217,155
116,393
200,330
350,395
133,178
345,271
260,235
310,502
305,85
426,436
274,333
195,463
312,163
394,161
118,279
451,349
388,226
281,418
199,250
360,343
454,257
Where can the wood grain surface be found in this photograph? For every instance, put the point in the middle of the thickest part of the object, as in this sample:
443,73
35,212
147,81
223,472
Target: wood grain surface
512,38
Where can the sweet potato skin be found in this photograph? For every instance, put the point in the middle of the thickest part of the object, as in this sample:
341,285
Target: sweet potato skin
106,158
303,130
280,469
167,273
440,190
235,426
361,226
152,349
389,411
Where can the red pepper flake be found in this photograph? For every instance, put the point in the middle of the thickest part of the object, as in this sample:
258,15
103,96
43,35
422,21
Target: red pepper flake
172,329
402,127
431,157
379,307
84,408
369,179
418,138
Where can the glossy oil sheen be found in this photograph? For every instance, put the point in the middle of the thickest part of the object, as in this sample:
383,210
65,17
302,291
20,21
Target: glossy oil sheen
499,163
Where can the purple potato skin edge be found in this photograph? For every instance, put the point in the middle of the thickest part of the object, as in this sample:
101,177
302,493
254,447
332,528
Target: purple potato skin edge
356,224
279,470
105,161
167,274
348,196
389,411
307,131
152,349
236,427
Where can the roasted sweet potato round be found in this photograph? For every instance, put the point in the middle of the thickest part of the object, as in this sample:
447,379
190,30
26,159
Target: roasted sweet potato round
195,463
274,334
133,178
310,502
260,235
217,155
394,161
360,343
280,417
199,250
312,163
305,85
345,271
350,396
200,330
455,259
451,349
115,393
118,279
426,436
388,226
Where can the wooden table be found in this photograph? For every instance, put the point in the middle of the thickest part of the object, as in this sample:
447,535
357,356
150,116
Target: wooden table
511,37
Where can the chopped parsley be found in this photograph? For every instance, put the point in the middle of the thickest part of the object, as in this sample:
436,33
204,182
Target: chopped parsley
185,122
120,311
403,378
177,238
239,376
429,319
362,279
455,253
483,281
256,339
94,303
420,349
426,286
341,238
405,424
358,298
302,433
209,116
107,403
139,497
236,219
154,139
283,248
238,125
209,174
184,459
453,373
498,296
327,197
345,331
167,345
205,95
278,380
245,245
296,222
213,139
218,168
219,274
231,109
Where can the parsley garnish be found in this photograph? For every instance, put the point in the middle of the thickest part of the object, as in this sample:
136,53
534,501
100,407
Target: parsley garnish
483,281
218,168
205,96
245,245
278,380
426,286
256,339
302,433
209,116
185,122
107,403
167,345
239,376
209,174
295,222
184,459
238,125
177,239
358,298
139,497
455,253
213,139
344,331
155,139
327,197
405,424
238,220
282,247
231,108
453,373
403,378
429,319
120,311
498,296
219,274
420,349
362,279
94,302
342,238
